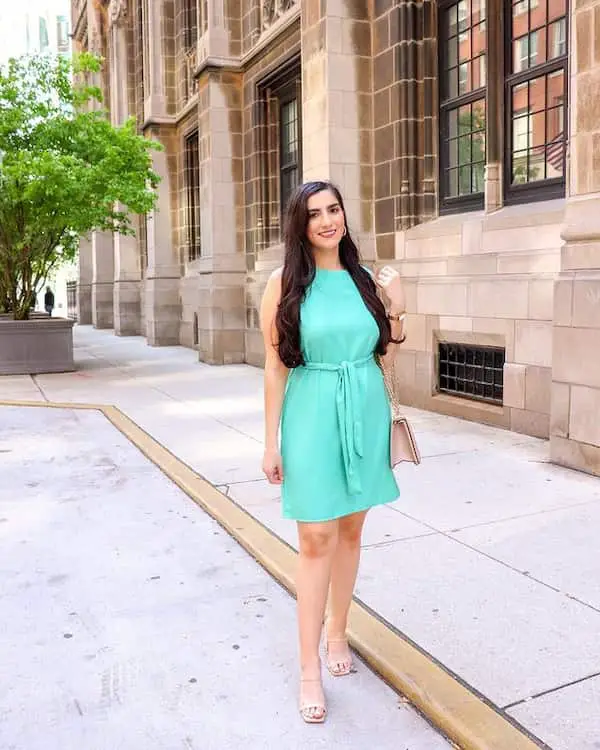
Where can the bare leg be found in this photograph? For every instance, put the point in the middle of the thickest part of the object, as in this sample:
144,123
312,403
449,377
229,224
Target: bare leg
343,577
317,542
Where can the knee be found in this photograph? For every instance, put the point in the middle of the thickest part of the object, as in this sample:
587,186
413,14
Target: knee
317,543
350,534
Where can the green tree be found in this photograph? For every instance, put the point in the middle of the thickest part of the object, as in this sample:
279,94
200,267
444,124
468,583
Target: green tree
64,171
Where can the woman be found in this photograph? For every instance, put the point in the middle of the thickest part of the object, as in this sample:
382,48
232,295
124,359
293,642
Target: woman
322,323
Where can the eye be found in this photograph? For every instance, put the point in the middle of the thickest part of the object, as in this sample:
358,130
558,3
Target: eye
335,210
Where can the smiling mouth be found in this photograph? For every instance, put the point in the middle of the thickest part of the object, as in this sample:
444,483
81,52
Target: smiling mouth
329,234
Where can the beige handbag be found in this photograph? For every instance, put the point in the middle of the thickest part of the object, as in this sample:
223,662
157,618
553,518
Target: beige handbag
403,446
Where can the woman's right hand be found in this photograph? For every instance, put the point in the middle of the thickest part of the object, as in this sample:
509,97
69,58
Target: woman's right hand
273,466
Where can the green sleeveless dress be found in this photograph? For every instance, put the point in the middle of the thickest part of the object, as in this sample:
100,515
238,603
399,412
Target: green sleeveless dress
335,424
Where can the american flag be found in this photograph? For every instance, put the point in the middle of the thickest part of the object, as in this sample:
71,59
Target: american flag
555,152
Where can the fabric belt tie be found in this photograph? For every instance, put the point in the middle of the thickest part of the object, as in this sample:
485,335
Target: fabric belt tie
347,398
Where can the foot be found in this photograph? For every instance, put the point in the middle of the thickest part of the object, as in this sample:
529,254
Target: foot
339,658
312,700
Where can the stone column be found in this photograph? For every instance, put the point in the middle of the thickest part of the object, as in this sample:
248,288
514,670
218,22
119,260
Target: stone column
156,98
103,273
217,41
495,105
84,284
161,299
220,272
575,414
127,264
337,108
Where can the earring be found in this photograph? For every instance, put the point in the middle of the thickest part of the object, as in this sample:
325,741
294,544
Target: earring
344,232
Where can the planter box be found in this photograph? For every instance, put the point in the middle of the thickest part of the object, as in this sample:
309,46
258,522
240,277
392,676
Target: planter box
31,347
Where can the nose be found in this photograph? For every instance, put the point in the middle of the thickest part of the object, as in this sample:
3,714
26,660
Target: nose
326,222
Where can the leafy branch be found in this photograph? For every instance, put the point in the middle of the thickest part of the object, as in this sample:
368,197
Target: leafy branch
64,170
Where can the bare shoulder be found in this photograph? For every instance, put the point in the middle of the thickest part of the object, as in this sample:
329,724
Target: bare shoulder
273,287
271,298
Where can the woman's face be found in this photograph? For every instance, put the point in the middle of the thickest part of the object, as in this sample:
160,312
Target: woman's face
326,221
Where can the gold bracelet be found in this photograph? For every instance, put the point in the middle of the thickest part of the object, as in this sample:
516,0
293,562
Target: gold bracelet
397,317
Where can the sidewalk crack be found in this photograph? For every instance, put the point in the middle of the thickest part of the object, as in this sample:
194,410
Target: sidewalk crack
39,387
550,691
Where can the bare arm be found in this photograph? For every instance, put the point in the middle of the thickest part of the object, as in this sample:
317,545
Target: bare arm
389,281
397,334
275,378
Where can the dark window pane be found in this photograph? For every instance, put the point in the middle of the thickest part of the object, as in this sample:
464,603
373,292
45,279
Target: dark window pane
453,153
519,167
192,184
538,129
464,180
477,179
463,42
452,183
190,17
538,32
452,83
450,22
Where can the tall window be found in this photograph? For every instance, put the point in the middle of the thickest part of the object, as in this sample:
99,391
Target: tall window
190,19
289,154
43,35
462,97
192,193
62,35
535,97
281,144
535,88
143,242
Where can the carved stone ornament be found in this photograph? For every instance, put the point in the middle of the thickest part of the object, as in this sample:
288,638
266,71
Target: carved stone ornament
117,11
274,9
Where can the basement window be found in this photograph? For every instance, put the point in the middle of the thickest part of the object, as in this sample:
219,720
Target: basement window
475,372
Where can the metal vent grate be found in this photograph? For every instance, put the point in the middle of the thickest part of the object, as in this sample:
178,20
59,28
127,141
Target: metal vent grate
472,371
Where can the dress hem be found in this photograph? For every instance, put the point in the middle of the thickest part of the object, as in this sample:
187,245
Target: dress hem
359,509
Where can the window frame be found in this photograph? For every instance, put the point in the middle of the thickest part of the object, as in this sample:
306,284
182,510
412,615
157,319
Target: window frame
472,201
193,229
282,84
285,96
553,187
191,30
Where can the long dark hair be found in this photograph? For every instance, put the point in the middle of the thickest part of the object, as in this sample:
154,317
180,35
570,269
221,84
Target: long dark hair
299,272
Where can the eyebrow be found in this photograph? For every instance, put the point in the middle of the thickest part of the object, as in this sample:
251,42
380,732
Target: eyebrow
332,205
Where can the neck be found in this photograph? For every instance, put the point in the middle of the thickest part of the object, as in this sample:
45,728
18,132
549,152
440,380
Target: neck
328,260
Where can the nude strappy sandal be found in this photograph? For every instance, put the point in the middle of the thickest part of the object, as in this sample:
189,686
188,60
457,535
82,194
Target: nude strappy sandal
338,667
312,713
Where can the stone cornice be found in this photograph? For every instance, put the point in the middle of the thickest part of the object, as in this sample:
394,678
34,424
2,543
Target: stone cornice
238,64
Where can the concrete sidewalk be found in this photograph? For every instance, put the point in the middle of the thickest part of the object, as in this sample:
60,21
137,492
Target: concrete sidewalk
489,561
132,621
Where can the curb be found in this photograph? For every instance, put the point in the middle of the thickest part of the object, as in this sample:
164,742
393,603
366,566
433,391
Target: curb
465,717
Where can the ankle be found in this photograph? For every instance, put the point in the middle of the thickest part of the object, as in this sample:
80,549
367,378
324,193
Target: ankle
310,669
335,629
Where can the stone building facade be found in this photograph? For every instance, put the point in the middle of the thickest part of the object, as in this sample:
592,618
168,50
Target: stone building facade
465,136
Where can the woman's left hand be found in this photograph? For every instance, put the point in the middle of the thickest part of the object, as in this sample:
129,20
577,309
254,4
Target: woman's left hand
390,281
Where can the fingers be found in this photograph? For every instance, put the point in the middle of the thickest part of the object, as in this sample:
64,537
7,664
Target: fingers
385,275
274,474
